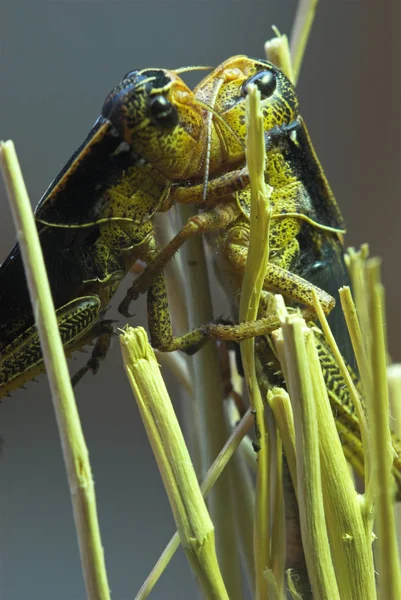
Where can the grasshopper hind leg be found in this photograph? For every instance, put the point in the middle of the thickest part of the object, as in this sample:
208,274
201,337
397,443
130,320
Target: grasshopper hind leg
79,324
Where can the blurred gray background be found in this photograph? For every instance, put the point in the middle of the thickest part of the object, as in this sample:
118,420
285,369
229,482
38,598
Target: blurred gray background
58,61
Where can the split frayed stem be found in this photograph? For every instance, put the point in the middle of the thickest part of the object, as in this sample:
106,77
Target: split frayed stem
72,440
195,528
277,51
309,484
350,540
212,475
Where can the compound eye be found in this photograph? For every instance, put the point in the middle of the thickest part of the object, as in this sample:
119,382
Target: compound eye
163,113
265,81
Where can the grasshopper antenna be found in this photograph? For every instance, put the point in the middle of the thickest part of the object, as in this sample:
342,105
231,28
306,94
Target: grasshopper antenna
193,68
220,119
217,86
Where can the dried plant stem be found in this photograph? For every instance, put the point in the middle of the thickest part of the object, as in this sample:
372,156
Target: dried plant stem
211,426
350,538
309,484
394,389
354,328
242,482
254,274
346,375
211,477
72,440
380,442
357,340
278,542
178,366
277,51
280,403
303,21
194,525
355,261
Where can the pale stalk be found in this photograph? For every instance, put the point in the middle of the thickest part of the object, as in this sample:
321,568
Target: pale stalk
280,403
278,546
378,417
394,389
272,586
73,444
350,539
356,401
309,484
178,366
301,28
248,454
277,51
355,262
211,425
255,269
211,477
292,583
194,525
243,492
357,339
359,347
175,278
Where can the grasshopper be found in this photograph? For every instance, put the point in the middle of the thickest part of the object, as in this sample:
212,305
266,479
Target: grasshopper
306,234
94,220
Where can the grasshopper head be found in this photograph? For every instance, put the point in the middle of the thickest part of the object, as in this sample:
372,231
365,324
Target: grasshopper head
154,111
226,89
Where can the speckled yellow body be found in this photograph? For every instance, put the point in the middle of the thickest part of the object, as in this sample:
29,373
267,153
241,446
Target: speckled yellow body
167,136
306,232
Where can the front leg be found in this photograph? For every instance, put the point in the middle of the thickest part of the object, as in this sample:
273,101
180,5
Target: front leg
217,218
223,185
159,322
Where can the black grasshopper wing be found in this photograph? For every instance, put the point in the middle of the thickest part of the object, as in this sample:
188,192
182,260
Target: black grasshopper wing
76,196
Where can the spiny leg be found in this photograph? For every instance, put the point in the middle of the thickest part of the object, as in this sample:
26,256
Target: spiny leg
159,321
277,279
217,218
217,188
281,281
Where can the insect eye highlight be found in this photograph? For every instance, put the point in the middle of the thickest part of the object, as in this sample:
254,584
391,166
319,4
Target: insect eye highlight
163,113
265,81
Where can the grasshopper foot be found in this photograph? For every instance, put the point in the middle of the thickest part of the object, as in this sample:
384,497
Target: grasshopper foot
132,294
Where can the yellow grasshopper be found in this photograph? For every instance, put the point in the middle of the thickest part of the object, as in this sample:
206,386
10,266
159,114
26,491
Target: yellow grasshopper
306,232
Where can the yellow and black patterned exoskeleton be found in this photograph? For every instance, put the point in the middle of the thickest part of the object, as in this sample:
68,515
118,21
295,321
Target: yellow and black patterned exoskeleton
306,231
157,143
94,221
